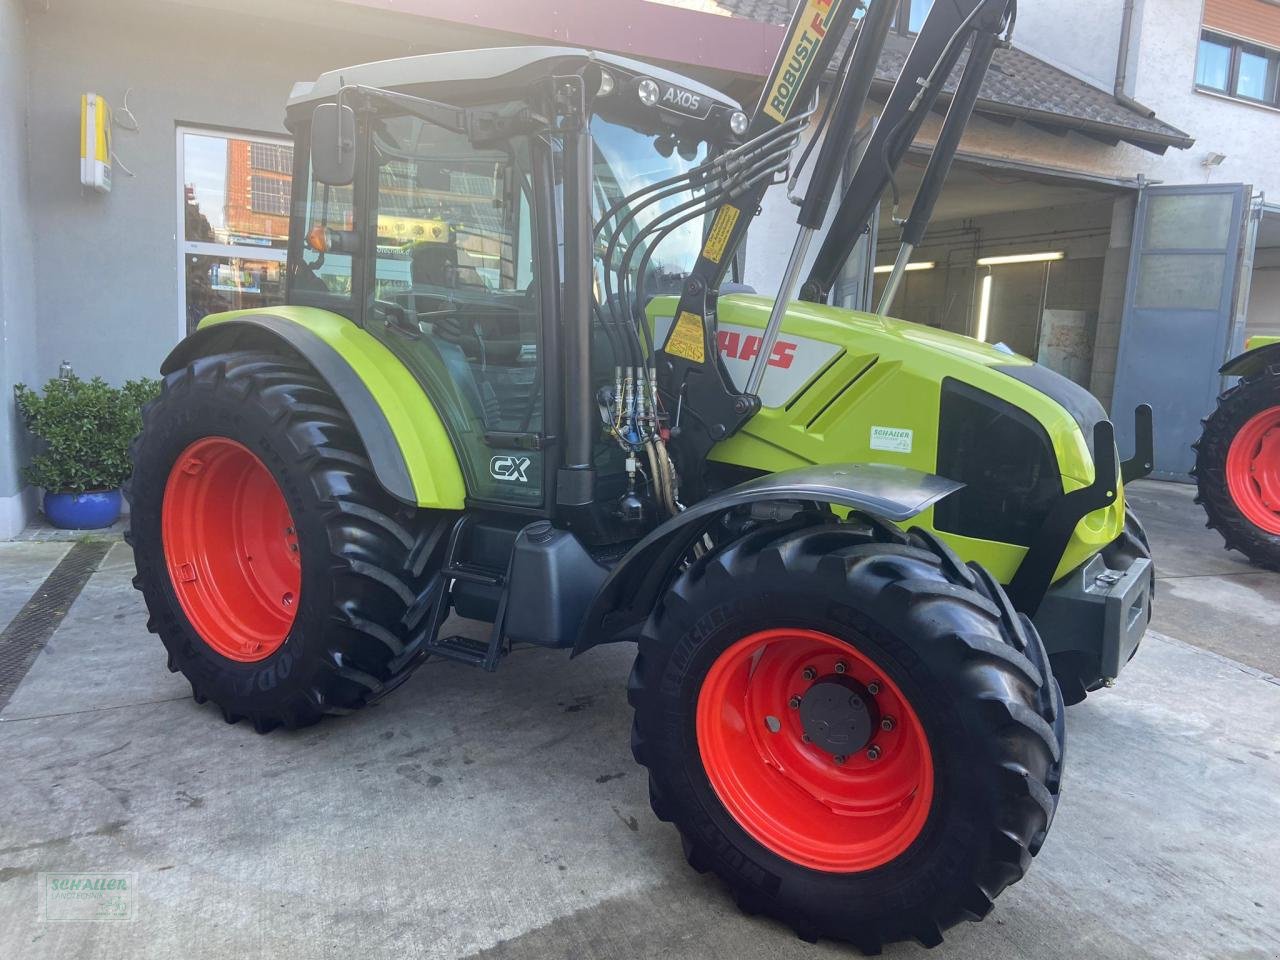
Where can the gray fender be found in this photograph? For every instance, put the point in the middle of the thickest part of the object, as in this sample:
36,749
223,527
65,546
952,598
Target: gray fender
371,424
1254,361
635,585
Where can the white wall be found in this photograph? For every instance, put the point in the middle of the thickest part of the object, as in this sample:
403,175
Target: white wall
17,285
106,265
1078,36
1165,81
1082,37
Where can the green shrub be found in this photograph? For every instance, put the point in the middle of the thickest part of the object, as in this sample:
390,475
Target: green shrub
84,428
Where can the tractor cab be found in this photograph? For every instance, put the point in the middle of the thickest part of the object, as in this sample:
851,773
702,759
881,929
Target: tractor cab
443,232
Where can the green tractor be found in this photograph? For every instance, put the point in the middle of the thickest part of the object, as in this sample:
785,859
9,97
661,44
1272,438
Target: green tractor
836,539
1238,456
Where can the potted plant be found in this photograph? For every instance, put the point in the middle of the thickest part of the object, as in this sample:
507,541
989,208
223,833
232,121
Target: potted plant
83,429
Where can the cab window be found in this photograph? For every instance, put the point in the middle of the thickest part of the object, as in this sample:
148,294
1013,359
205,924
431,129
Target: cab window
454,293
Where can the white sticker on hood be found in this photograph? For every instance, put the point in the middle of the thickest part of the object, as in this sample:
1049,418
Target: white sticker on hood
892,439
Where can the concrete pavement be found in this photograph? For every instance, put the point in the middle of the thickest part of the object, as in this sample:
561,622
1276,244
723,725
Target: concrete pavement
1207,595
502,816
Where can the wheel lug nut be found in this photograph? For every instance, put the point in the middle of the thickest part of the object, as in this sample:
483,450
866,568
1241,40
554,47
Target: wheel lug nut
841,666
873,687
887,724
840,759
873,753
794,703
810,673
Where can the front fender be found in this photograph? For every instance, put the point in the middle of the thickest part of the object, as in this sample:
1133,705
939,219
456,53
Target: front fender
408,446
1253,361
638,581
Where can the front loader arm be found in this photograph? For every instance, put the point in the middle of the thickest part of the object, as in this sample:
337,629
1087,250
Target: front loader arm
704,403
937,50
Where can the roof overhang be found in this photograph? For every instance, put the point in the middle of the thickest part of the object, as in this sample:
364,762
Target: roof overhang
1060,124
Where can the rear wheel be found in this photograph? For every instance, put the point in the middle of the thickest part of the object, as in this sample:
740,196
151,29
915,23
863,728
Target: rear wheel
1238,468
280,576
851,727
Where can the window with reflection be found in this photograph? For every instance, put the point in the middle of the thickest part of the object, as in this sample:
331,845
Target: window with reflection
236,191
1237,68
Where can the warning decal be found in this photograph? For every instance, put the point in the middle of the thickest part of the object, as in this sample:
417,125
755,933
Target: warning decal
686,338
721,230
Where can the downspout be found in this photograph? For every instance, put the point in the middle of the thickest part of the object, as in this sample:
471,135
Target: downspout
1122,64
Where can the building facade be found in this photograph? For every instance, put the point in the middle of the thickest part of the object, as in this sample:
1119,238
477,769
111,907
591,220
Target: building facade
1054,162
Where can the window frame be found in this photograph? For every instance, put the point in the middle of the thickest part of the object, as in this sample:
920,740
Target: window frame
269,195
1237,47
185,247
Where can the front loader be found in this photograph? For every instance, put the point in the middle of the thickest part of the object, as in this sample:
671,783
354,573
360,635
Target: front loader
511,383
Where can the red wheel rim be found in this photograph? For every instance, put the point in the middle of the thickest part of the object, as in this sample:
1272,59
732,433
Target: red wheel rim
1253,470
791,796
231,549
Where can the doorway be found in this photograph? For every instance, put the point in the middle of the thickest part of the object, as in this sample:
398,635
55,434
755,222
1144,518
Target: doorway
1189,244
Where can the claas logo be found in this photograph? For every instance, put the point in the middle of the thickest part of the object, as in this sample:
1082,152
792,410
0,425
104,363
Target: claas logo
737,347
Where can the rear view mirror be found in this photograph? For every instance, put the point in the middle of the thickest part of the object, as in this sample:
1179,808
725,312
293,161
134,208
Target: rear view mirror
333,144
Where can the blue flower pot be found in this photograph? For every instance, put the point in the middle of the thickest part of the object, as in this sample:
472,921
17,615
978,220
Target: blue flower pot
82,511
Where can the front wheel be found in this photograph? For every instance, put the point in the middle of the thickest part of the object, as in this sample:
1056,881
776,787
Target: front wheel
1238,468
851,727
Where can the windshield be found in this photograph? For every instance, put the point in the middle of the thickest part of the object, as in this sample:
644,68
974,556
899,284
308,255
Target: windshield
627,160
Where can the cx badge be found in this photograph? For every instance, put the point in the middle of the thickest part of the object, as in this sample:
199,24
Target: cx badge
510,469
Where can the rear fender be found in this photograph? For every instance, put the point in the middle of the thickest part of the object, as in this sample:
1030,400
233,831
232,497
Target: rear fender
408,446
1252,361
636,584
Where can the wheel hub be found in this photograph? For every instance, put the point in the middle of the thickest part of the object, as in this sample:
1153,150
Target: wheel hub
838,715
231,549
814,750
1253,470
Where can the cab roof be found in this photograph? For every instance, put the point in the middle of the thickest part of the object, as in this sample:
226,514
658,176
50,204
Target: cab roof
478,66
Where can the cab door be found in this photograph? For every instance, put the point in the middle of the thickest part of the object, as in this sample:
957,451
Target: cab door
455,291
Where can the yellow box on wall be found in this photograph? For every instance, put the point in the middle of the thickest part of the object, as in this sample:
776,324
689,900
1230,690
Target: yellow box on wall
95,142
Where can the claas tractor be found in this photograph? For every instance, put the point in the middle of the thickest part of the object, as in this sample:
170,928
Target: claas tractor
1237,469
517,380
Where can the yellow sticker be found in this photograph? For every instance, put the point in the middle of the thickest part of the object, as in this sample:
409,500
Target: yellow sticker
686,338
721,230
803,43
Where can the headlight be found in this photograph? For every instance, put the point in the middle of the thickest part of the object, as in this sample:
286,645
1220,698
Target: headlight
648,92
606,84
738,123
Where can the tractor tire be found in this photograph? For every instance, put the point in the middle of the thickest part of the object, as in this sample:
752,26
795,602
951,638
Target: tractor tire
1237,468
283,580
901,835
1079,672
